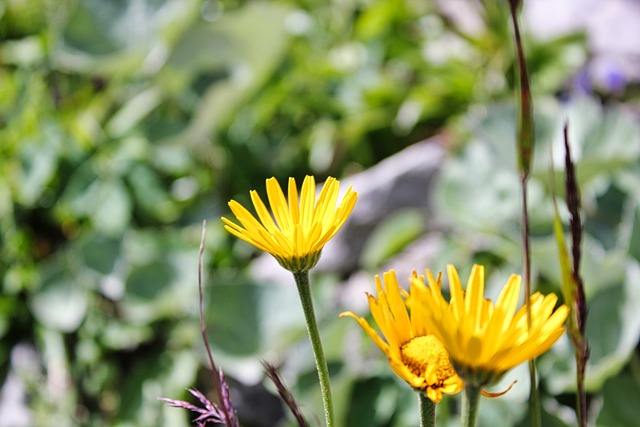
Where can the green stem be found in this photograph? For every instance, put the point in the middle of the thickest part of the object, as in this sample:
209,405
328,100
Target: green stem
304,290
471,402
427,411
534,396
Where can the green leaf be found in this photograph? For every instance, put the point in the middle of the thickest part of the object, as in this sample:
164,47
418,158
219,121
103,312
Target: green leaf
162,283
233,317
7,310
372,402
634,237
234,57
112,210
133,112
391,236
102,28
123,336
148,282
620,402
38,163
100,253
61,302
105,201
477,190
150,194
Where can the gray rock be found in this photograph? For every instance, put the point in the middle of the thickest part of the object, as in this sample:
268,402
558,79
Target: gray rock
401,181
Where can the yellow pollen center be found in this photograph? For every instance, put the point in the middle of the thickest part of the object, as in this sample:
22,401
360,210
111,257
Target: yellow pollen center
423,352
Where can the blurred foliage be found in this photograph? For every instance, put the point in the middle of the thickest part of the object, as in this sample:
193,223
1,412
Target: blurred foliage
606,147
124,124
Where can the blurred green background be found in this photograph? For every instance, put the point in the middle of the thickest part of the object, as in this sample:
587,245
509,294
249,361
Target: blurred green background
124,124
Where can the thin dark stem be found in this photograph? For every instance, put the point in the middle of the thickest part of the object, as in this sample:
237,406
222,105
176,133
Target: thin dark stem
427,411
534,402
525,122
285,394
203,329
526,138
581,393
526,243
525,143
304,290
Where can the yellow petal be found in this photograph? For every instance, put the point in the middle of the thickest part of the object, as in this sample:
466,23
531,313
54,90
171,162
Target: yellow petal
307,201
278,204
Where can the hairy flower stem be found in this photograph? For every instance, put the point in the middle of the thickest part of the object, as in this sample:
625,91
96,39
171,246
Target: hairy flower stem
304,290
471,402
427,411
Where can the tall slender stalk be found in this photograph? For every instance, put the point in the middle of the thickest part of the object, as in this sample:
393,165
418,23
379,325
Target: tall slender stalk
525,144
304,290
223,399
427,411
534,401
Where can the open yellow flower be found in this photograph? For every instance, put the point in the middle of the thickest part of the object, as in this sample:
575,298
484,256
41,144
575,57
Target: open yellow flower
485,340
301,227
414,354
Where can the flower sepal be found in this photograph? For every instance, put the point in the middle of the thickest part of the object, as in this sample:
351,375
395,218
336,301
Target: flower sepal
477,377
299,264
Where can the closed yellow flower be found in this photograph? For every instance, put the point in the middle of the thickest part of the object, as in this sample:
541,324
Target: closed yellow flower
299,228
414,354
485,340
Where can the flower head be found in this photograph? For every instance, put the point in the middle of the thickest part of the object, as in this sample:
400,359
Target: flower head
415,355
299,229
484,340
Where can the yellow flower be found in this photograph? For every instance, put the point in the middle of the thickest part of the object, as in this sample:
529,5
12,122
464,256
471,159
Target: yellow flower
485,340
414,354
301,228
